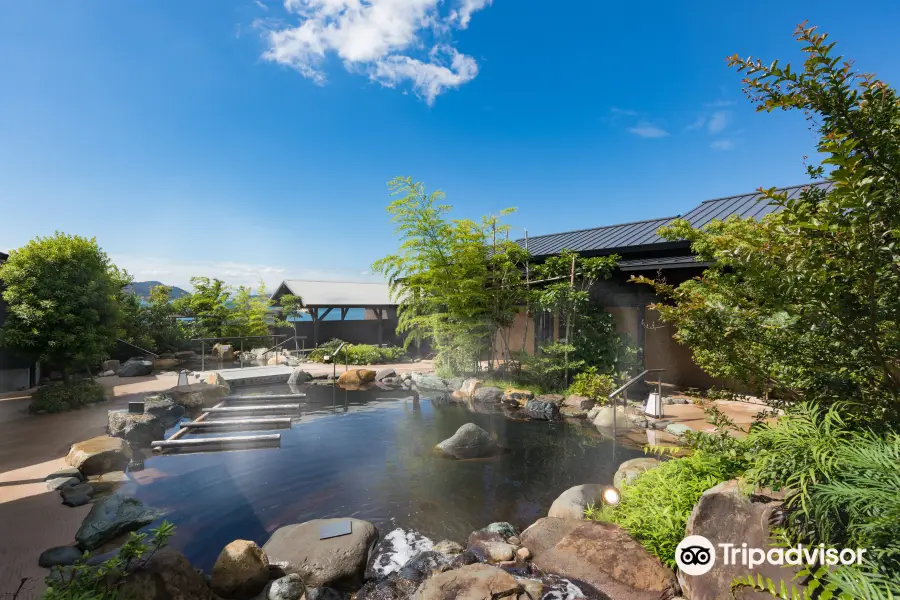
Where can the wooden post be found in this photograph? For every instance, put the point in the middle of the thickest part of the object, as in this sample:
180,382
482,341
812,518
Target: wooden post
314,312
380,326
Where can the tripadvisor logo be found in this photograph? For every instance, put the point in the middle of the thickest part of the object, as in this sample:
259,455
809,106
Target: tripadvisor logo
696,555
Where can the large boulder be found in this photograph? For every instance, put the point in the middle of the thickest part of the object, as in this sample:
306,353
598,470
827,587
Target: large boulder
168,575
110,365
60,556
541,410
576,402
467,389
356,377
678,429
518,396
469,441
394,550
382,374
600,554
135,368
111,517
164,407
338,562
557,399
185,355
165,364
223,352
630,470
241,571
572,503
726,514
488,395
604,416
198,395
471,582
99,455
298,376
426,382
289,587
139,430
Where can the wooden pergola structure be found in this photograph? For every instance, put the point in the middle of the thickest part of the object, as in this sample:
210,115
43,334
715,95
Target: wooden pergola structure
320,298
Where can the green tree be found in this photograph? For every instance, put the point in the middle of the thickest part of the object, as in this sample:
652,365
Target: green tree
804,304
566,292
61,295
208,305
457,281
249,312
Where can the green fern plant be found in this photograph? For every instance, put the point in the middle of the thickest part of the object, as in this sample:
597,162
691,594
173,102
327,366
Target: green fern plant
783,591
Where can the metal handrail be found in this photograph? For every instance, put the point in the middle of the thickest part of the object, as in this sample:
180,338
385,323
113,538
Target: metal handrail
138,347
623,389
334,362
632,381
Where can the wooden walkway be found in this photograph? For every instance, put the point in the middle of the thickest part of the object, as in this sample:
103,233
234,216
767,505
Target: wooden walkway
264,412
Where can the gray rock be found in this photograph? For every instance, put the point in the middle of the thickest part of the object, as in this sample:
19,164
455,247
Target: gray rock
579,402
488,395
677,429
679,401
394,550
541,410
448,547
298,376
501,528
325,593
557,399
99,455
289,587
59,556
338,562
135,368
139,430
382,374
113,516
572,503
65,472
427,382
110,365
185,355
62,482
164,407
76,499
630,470
422,565
469,441
470,582
603,417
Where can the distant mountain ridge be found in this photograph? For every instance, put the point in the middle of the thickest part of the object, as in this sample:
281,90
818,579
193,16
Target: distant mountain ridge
142,289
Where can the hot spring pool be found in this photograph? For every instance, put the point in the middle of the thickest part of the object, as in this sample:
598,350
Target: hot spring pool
368,454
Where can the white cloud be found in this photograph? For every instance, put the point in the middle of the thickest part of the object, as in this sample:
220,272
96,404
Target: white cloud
698,123
464,14
623,111
718,121
384,39
646,129
179,272
722,145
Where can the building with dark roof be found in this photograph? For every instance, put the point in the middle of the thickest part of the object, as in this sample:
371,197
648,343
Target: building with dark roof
642,252
16,372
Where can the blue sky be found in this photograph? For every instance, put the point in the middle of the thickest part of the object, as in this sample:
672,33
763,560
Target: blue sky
253,139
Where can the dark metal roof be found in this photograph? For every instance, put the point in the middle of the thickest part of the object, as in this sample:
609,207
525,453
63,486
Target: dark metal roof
668,262
635,236
744,205
608,237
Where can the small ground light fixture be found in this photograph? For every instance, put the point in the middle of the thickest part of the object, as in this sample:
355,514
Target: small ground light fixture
611,496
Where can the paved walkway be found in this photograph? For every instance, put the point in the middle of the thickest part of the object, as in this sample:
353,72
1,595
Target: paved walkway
33,518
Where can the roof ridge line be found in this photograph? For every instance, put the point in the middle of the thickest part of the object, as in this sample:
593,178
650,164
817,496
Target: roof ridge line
786,187
336,281
600,227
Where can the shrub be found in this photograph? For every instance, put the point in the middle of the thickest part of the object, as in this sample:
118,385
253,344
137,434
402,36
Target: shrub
102,582
59,397
356,354
595,386
655,508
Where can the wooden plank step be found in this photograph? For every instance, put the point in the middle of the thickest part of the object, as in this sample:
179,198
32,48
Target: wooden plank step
252,408
264,397
236,442
264,423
